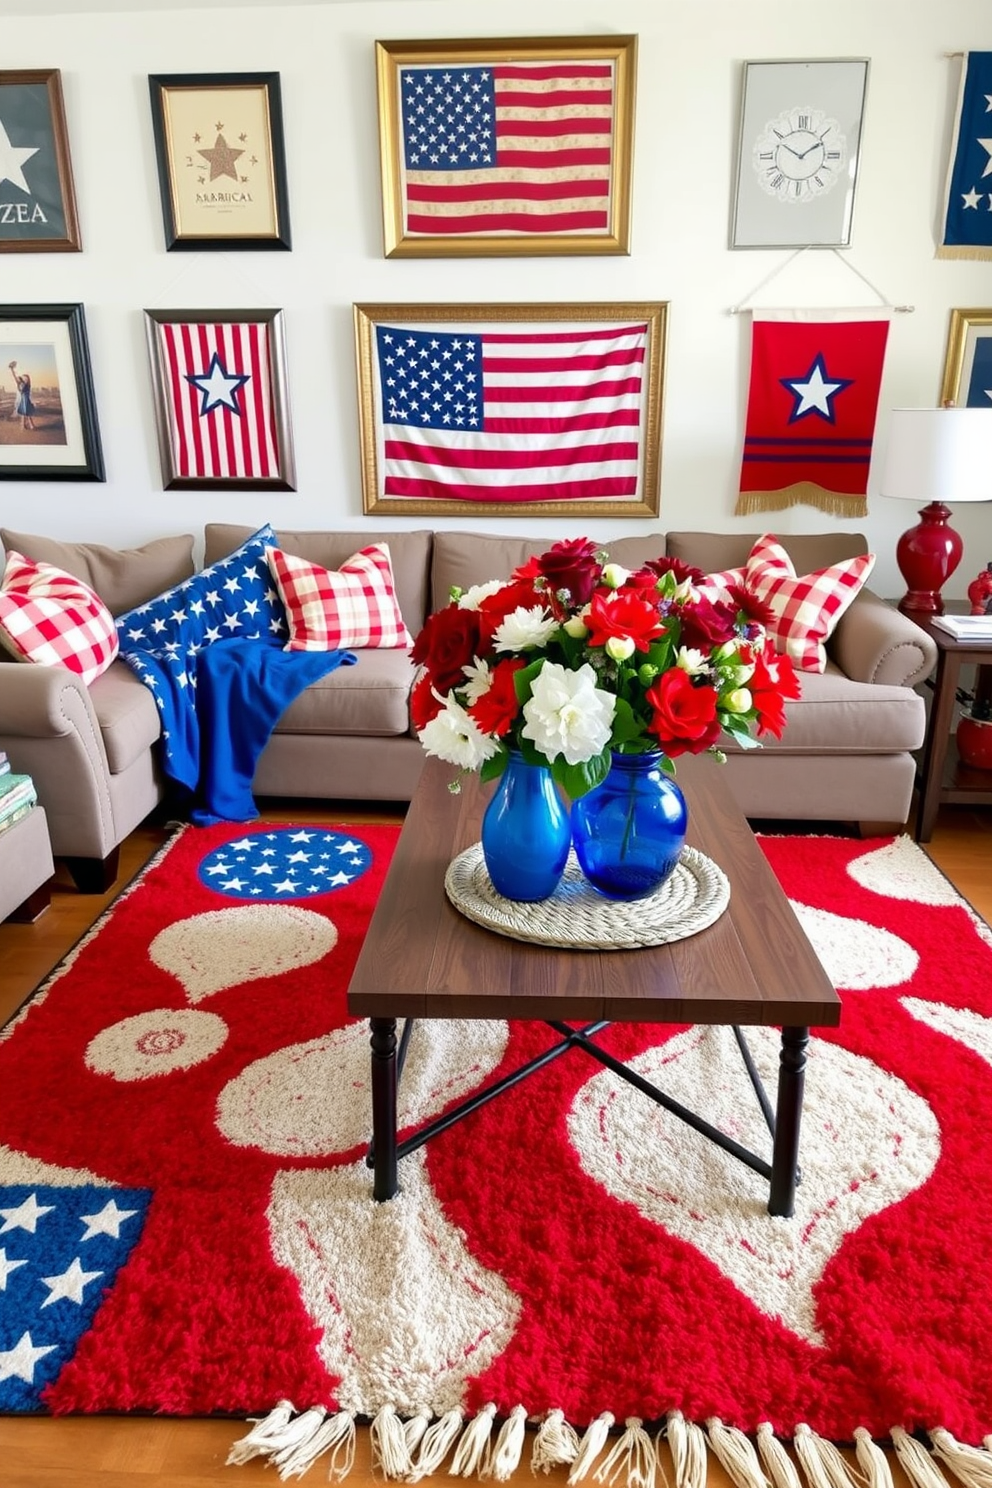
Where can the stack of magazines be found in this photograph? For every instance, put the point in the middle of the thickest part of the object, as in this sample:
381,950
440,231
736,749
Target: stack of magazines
965,627
17,795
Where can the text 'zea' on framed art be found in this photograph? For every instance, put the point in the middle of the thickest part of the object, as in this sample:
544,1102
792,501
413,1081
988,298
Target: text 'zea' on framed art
37,200
511,410
506,147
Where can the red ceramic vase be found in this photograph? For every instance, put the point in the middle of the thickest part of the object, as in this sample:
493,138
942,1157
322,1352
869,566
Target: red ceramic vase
974,736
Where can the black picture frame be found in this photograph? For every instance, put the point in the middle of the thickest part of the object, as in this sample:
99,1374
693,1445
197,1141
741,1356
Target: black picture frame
230,194
51,340
37,197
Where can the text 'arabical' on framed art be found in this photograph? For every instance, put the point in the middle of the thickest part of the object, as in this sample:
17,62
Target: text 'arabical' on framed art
221,404
511,410
506,147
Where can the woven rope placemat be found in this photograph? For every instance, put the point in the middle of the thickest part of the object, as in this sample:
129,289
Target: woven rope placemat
577,918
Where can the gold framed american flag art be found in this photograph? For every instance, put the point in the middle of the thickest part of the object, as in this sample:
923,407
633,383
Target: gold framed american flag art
506,147
511,410
221,402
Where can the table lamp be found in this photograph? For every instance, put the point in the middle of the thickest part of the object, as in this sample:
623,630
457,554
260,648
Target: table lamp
935,455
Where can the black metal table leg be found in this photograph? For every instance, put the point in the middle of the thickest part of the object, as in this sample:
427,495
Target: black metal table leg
383,1042
788,1116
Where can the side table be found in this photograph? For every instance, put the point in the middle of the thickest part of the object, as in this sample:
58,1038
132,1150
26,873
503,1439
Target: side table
26,868
942,775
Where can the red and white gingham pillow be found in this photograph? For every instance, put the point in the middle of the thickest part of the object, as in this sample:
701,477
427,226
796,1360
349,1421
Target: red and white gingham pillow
807,607
53,619
717,586
354,605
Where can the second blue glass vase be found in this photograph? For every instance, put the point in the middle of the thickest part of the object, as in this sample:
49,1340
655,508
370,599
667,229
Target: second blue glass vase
525,832
628,832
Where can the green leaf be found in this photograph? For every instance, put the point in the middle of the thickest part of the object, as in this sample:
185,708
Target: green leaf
523,679
577,780
493,768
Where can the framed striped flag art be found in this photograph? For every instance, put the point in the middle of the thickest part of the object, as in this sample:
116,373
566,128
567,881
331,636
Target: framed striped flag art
511,410
221,403
503,147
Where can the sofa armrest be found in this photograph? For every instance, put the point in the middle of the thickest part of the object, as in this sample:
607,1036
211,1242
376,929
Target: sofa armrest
875,642
40,702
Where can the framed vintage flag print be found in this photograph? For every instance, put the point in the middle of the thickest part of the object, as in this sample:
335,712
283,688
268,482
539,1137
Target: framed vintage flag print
506,147
967,379
221,404
37,199
799,149
511,410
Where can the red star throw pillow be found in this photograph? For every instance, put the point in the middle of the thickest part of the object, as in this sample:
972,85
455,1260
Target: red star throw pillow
806,607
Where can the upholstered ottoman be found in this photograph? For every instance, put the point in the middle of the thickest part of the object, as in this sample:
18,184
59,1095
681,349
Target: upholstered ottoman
26,867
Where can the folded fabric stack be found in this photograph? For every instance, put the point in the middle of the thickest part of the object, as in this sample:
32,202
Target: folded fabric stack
17,795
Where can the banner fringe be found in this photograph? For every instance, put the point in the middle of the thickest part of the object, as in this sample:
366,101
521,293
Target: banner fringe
957,252
778,1464
802,493
973,1465
872,1460
687,1444
917,1463
555,1444
736,1454
632,1455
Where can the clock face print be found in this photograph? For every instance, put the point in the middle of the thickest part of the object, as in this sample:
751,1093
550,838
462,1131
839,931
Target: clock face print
799,155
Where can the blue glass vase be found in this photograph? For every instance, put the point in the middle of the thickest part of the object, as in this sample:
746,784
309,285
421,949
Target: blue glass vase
525,832
628,832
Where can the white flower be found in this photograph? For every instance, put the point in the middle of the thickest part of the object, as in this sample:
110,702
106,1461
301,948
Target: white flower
456,738
691,660
478,681
614,574
576,626
567,714
473,597
525,629
618,648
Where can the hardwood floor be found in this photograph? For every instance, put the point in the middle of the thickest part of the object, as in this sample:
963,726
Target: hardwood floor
112,1452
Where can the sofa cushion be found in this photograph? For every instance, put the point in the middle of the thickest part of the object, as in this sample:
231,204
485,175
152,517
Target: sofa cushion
128,716
838,716
123,577
326,608
805,607
370,698
713,551
409,552
467,558
51,618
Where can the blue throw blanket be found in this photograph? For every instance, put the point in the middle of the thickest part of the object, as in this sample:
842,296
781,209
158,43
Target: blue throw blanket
219,707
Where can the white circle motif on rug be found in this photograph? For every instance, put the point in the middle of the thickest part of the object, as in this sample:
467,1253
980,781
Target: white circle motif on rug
900,871
285,863
155,1043
284,1103
867,1142
208,952
857,955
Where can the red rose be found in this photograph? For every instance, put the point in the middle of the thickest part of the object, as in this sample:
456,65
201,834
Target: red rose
684,719
496,710
423,704
447,643
572,565
705,624
647,577
772,682
625,616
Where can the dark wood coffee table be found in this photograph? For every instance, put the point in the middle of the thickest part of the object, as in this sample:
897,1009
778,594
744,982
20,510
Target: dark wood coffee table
422,959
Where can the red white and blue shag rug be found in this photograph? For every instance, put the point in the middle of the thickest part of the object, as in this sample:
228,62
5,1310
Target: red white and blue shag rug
187,1226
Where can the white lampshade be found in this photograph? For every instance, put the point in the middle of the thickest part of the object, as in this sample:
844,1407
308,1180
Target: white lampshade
939,454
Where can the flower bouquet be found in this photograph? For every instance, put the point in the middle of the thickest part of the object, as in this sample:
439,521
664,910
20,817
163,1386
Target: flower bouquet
573,658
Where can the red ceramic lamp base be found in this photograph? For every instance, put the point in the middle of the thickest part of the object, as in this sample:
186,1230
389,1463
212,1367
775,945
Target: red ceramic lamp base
927,555
974,736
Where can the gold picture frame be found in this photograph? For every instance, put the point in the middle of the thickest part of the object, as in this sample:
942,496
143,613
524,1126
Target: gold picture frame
968,360
459,183
221,160
38,212
570,422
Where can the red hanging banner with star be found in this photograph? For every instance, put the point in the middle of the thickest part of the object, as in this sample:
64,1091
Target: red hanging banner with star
812,401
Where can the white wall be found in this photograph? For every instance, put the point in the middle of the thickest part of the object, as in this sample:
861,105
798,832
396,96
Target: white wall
688,89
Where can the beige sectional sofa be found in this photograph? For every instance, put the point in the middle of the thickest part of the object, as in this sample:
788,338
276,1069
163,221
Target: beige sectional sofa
846,754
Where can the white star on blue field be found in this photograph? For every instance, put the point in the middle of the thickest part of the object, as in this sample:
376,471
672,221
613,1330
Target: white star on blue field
285,863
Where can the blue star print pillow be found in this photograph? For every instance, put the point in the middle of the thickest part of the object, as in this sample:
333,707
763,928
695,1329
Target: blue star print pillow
233,597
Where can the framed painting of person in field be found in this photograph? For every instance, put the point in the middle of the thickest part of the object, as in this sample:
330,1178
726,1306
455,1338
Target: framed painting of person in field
48,420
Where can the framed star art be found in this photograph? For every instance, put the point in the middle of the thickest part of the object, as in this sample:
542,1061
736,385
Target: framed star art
37,201
221,160
221,404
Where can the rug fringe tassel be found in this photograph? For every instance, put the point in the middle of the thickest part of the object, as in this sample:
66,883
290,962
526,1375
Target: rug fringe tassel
590,1446
687,1444
632,1456
736,1454
263,1430
414,1431
872,1460
777,1463
472,1444
335,1434
556,1443
390,1453
916,1461
821,1461
973,1465
503,1459
435,1445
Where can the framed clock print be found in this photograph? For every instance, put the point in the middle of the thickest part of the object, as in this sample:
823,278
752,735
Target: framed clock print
798,153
